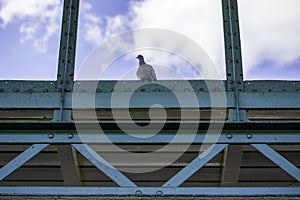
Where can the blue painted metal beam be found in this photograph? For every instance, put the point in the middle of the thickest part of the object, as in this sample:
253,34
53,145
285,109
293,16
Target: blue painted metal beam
21,159
73,138
103,165
152,191
248,100
279,160
195,165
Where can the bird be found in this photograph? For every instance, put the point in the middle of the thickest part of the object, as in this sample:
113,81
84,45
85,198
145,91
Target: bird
145,72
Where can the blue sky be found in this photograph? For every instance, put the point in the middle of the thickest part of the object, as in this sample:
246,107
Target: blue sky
30,31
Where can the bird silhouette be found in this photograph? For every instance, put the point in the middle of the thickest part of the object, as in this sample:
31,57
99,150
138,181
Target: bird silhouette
145,72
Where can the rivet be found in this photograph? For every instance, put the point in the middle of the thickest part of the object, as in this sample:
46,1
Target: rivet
229,136
138,192
249,135
16,90
50,135
70,135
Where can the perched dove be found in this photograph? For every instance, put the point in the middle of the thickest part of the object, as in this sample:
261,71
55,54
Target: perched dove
145,72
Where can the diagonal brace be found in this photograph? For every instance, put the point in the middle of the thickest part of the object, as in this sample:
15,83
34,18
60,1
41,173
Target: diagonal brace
279,160
103,165
195,165
21,159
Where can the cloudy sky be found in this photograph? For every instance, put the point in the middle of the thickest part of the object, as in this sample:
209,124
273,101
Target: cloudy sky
30,31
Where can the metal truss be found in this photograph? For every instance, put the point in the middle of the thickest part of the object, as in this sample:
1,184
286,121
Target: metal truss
258,140
241,96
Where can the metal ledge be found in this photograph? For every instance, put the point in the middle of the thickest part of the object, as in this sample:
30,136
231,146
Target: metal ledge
151,191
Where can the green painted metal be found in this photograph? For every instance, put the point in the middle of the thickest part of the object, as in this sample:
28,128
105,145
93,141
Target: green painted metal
241,95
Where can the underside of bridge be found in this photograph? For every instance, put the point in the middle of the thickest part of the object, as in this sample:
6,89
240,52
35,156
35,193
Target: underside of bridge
242,138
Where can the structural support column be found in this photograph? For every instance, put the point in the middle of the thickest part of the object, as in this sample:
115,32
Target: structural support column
233,54
235,84
64,84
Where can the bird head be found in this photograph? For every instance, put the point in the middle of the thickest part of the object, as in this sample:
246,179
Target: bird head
140,57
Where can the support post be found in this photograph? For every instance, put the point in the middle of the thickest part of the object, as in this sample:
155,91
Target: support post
69,165
231,165
65,75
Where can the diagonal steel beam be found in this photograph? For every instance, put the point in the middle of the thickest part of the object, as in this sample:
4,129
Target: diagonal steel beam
21,159
195,165
103,165
279,160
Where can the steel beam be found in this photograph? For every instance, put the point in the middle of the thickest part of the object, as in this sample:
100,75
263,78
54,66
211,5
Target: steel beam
231,165
152,191
103,165
21,159
279,160
67,49
195,165
74,138
248,100
69,165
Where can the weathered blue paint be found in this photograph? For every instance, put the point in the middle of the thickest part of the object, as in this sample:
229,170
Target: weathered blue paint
21,159
279,160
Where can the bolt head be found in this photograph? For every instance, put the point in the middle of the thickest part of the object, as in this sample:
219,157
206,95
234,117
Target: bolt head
138,192
50,135
249,135
229,136
70,135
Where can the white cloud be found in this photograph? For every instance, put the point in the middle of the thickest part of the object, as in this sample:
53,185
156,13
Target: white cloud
199,20
270,28
91,24
270,31
40,20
